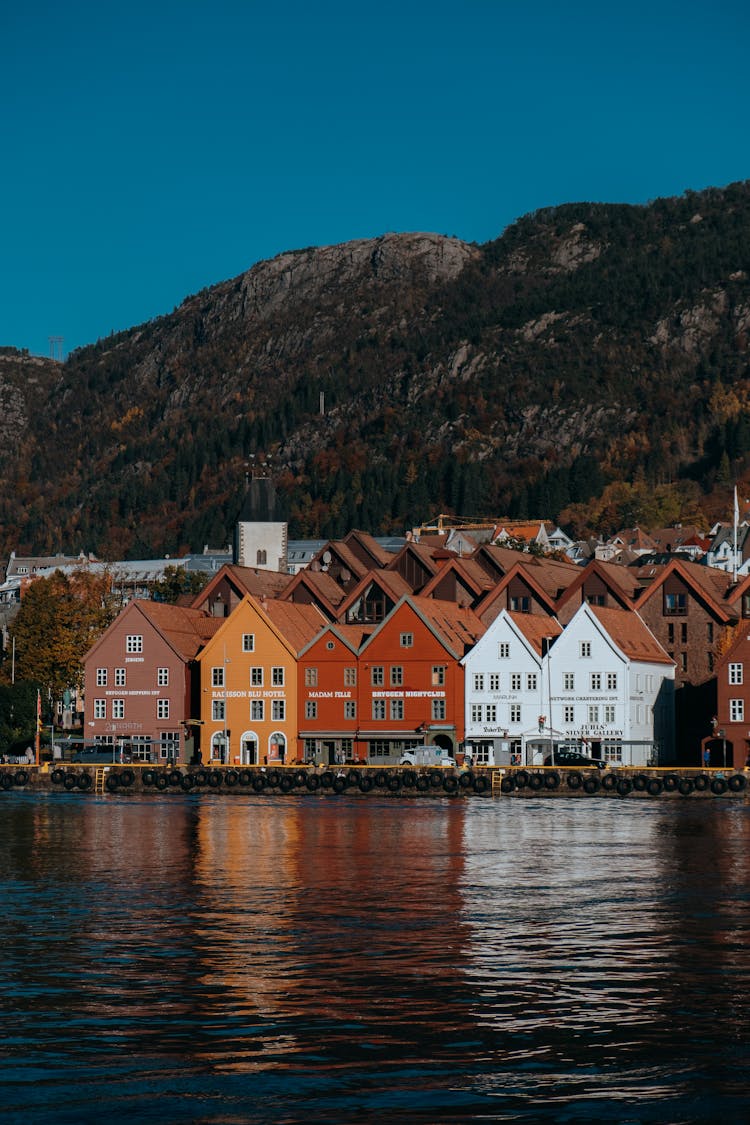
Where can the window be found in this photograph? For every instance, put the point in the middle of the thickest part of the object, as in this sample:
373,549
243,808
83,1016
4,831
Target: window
710,632
531,681
569,681
611,681
119,677
169,744
397,709
683,632
257,711
248,642
585,648
350,677
377,676
101,677
596,681
736,710
162,677
438,675
515,681
217,710
438,709
670,633
609,713
217,677
378,709
100,708
569,714
476,712
134,642
503,650
311,677
478,682
118,708
256,676
162,708
593,713
490,713
494,681
675,604
397,675
519,603
260,557
278,710
683,661
406,640
515,712
277,676
735,673
311,709
710,661
350,709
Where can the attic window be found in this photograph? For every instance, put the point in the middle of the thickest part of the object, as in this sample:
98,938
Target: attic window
248,642
330,646
407,640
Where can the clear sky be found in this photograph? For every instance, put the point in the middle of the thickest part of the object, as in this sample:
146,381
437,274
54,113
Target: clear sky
148,150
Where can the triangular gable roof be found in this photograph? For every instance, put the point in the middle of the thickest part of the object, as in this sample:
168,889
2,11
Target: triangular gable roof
185,630
244,580
708,585
324,590
389,581
621,582
453,626
635,538
630,633
534,628
468,571
293,625
336,556
497,561
353,636
520,570
362,543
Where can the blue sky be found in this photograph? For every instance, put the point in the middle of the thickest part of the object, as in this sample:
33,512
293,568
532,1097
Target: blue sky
148,150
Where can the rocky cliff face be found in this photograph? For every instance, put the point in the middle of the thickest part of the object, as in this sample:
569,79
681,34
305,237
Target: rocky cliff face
506,378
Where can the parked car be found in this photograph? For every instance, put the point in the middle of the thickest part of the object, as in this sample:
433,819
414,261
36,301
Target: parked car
100,755
574,758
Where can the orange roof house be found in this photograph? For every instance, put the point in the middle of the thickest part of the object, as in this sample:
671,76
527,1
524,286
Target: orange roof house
248,677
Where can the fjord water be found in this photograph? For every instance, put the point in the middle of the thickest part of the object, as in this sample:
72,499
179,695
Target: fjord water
222,958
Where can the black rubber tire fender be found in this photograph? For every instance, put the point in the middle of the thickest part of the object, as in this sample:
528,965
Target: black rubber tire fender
521,779
507,783
640,783
328,778
215,779
737,783
57,777
436,781
174,777
312,783
339,784
450,783
85,782
624,786
655,786
591,784
244,778
574,780
552,780
393,783
422,783
148,777
70,781
125,778
408,779
536,782
609,782
365,783
187,782
686,785
161,781
718,786
258,783
670,782
701,783
231,778
273,777
466,779
112,783
20,777
286,783
481,784
6,781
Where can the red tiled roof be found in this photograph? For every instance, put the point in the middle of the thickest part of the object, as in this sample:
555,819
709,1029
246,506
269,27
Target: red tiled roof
187,630
298,624
631,635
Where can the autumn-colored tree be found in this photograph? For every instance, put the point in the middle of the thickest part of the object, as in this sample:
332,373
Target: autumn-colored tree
176,582
59,620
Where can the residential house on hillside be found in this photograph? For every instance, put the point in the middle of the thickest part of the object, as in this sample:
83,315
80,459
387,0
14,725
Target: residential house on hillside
248,681
724,554
506,687
141,690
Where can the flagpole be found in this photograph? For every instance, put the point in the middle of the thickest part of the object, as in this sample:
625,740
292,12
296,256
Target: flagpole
736,521
37,741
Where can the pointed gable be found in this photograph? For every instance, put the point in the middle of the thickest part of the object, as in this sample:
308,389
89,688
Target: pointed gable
600,583
417,563
462,581
518,592
631,635
310,587
232,583
373,598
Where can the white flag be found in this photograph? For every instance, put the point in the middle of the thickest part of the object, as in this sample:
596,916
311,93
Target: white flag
736,507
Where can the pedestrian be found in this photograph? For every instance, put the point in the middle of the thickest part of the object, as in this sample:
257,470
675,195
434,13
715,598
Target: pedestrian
707,757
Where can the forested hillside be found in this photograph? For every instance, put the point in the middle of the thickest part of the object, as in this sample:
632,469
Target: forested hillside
589,348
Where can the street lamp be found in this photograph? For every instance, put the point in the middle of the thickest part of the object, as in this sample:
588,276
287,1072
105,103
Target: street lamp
549,699
224,682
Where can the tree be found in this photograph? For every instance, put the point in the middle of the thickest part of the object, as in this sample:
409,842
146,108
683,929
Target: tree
59,620
176,582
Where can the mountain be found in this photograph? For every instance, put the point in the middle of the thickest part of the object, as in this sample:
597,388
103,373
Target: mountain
385,380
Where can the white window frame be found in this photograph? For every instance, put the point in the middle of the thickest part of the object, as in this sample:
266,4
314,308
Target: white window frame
736,710
735,673
118,708
134,642
100,708
248,642
121,677
162,677
101,677
162,708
